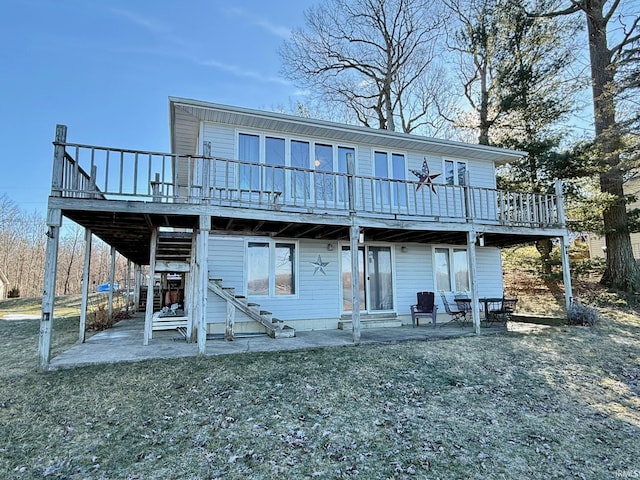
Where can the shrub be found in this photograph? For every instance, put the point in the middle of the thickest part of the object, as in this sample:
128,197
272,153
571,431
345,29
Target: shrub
580,314
99,320
13,293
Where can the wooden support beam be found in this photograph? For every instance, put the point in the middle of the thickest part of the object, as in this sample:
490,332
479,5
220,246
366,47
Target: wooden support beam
564,248
202,255
127,286
85,285
355,283
112,275
473,279
54,222
231,317
137,284
148,316
566,273
190,287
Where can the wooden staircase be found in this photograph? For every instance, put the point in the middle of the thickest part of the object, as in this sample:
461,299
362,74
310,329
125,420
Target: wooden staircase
275,328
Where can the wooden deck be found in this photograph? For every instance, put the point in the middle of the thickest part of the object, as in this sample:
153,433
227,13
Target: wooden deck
120,194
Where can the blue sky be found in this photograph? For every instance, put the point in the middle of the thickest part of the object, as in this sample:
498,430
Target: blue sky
105,68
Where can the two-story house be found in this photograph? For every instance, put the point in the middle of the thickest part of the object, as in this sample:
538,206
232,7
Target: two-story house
275,223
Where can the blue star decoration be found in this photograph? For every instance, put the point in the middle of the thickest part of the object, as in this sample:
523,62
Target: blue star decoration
319,265
424,178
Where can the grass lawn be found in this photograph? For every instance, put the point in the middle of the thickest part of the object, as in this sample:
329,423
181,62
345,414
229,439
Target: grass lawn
562,402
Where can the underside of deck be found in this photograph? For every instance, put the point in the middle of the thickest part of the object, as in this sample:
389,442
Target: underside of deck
127,226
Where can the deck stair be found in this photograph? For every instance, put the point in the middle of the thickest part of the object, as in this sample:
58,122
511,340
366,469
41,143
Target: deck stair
381,320
275,328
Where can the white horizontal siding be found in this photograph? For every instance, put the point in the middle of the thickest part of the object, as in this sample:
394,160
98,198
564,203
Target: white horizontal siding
489,272
318,300
222,140
413,273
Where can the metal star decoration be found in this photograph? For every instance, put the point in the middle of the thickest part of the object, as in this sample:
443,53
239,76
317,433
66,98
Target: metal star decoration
424,178
319,266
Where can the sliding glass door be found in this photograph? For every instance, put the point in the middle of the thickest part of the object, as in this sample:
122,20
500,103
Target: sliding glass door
376,279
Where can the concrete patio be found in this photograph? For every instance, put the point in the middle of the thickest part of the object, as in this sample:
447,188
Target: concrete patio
123,342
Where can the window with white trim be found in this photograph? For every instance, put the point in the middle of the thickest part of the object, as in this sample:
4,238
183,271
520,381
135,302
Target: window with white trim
271,268
392,166
298,153
451,269
455,172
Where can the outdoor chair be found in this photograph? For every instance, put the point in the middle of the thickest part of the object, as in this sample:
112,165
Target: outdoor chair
459,315
504,311
425,307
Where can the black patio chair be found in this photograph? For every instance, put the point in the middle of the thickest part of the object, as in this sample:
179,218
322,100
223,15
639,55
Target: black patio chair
504,311
425,307
459,315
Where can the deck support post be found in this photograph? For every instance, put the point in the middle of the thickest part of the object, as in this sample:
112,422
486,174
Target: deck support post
564,248
473,279
127,285
137,282
148,314
190,289
54,222
202,253
112,274
354,235
85,285
566,274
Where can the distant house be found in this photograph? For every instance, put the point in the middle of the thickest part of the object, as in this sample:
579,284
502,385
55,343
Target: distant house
598,244
263,222
4,285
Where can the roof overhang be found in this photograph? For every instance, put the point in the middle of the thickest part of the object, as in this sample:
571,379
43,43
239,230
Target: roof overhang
186,115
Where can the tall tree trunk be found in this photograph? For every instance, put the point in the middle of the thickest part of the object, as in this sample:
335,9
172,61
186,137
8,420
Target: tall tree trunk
621,270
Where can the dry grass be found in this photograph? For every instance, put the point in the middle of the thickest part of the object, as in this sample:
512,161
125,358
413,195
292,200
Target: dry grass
558,403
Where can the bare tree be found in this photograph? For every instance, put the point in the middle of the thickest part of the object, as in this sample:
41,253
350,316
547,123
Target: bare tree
375,56
614,51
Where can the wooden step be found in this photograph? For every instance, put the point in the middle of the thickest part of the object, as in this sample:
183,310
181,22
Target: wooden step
371,323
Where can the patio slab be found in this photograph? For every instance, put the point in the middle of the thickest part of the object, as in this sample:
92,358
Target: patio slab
123,342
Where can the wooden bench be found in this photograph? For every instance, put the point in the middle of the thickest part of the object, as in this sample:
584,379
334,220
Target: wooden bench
168,322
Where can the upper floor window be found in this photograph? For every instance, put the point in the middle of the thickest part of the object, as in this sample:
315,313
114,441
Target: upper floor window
314,167
455,172
392,166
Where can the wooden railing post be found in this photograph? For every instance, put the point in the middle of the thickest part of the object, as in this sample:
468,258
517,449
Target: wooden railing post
351,170
58,160
560,203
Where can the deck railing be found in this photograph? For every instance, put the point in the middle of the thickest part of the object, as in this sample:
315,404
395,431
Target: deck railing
115,174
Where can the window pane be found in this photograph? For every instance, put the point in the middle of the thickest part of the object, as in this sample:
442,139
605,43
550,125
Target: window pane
249,151
258,269
344,154
461,270
462,172
448,172
382,171
347,289
274,155
399,173
443,282
285,272
300,159
323,163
